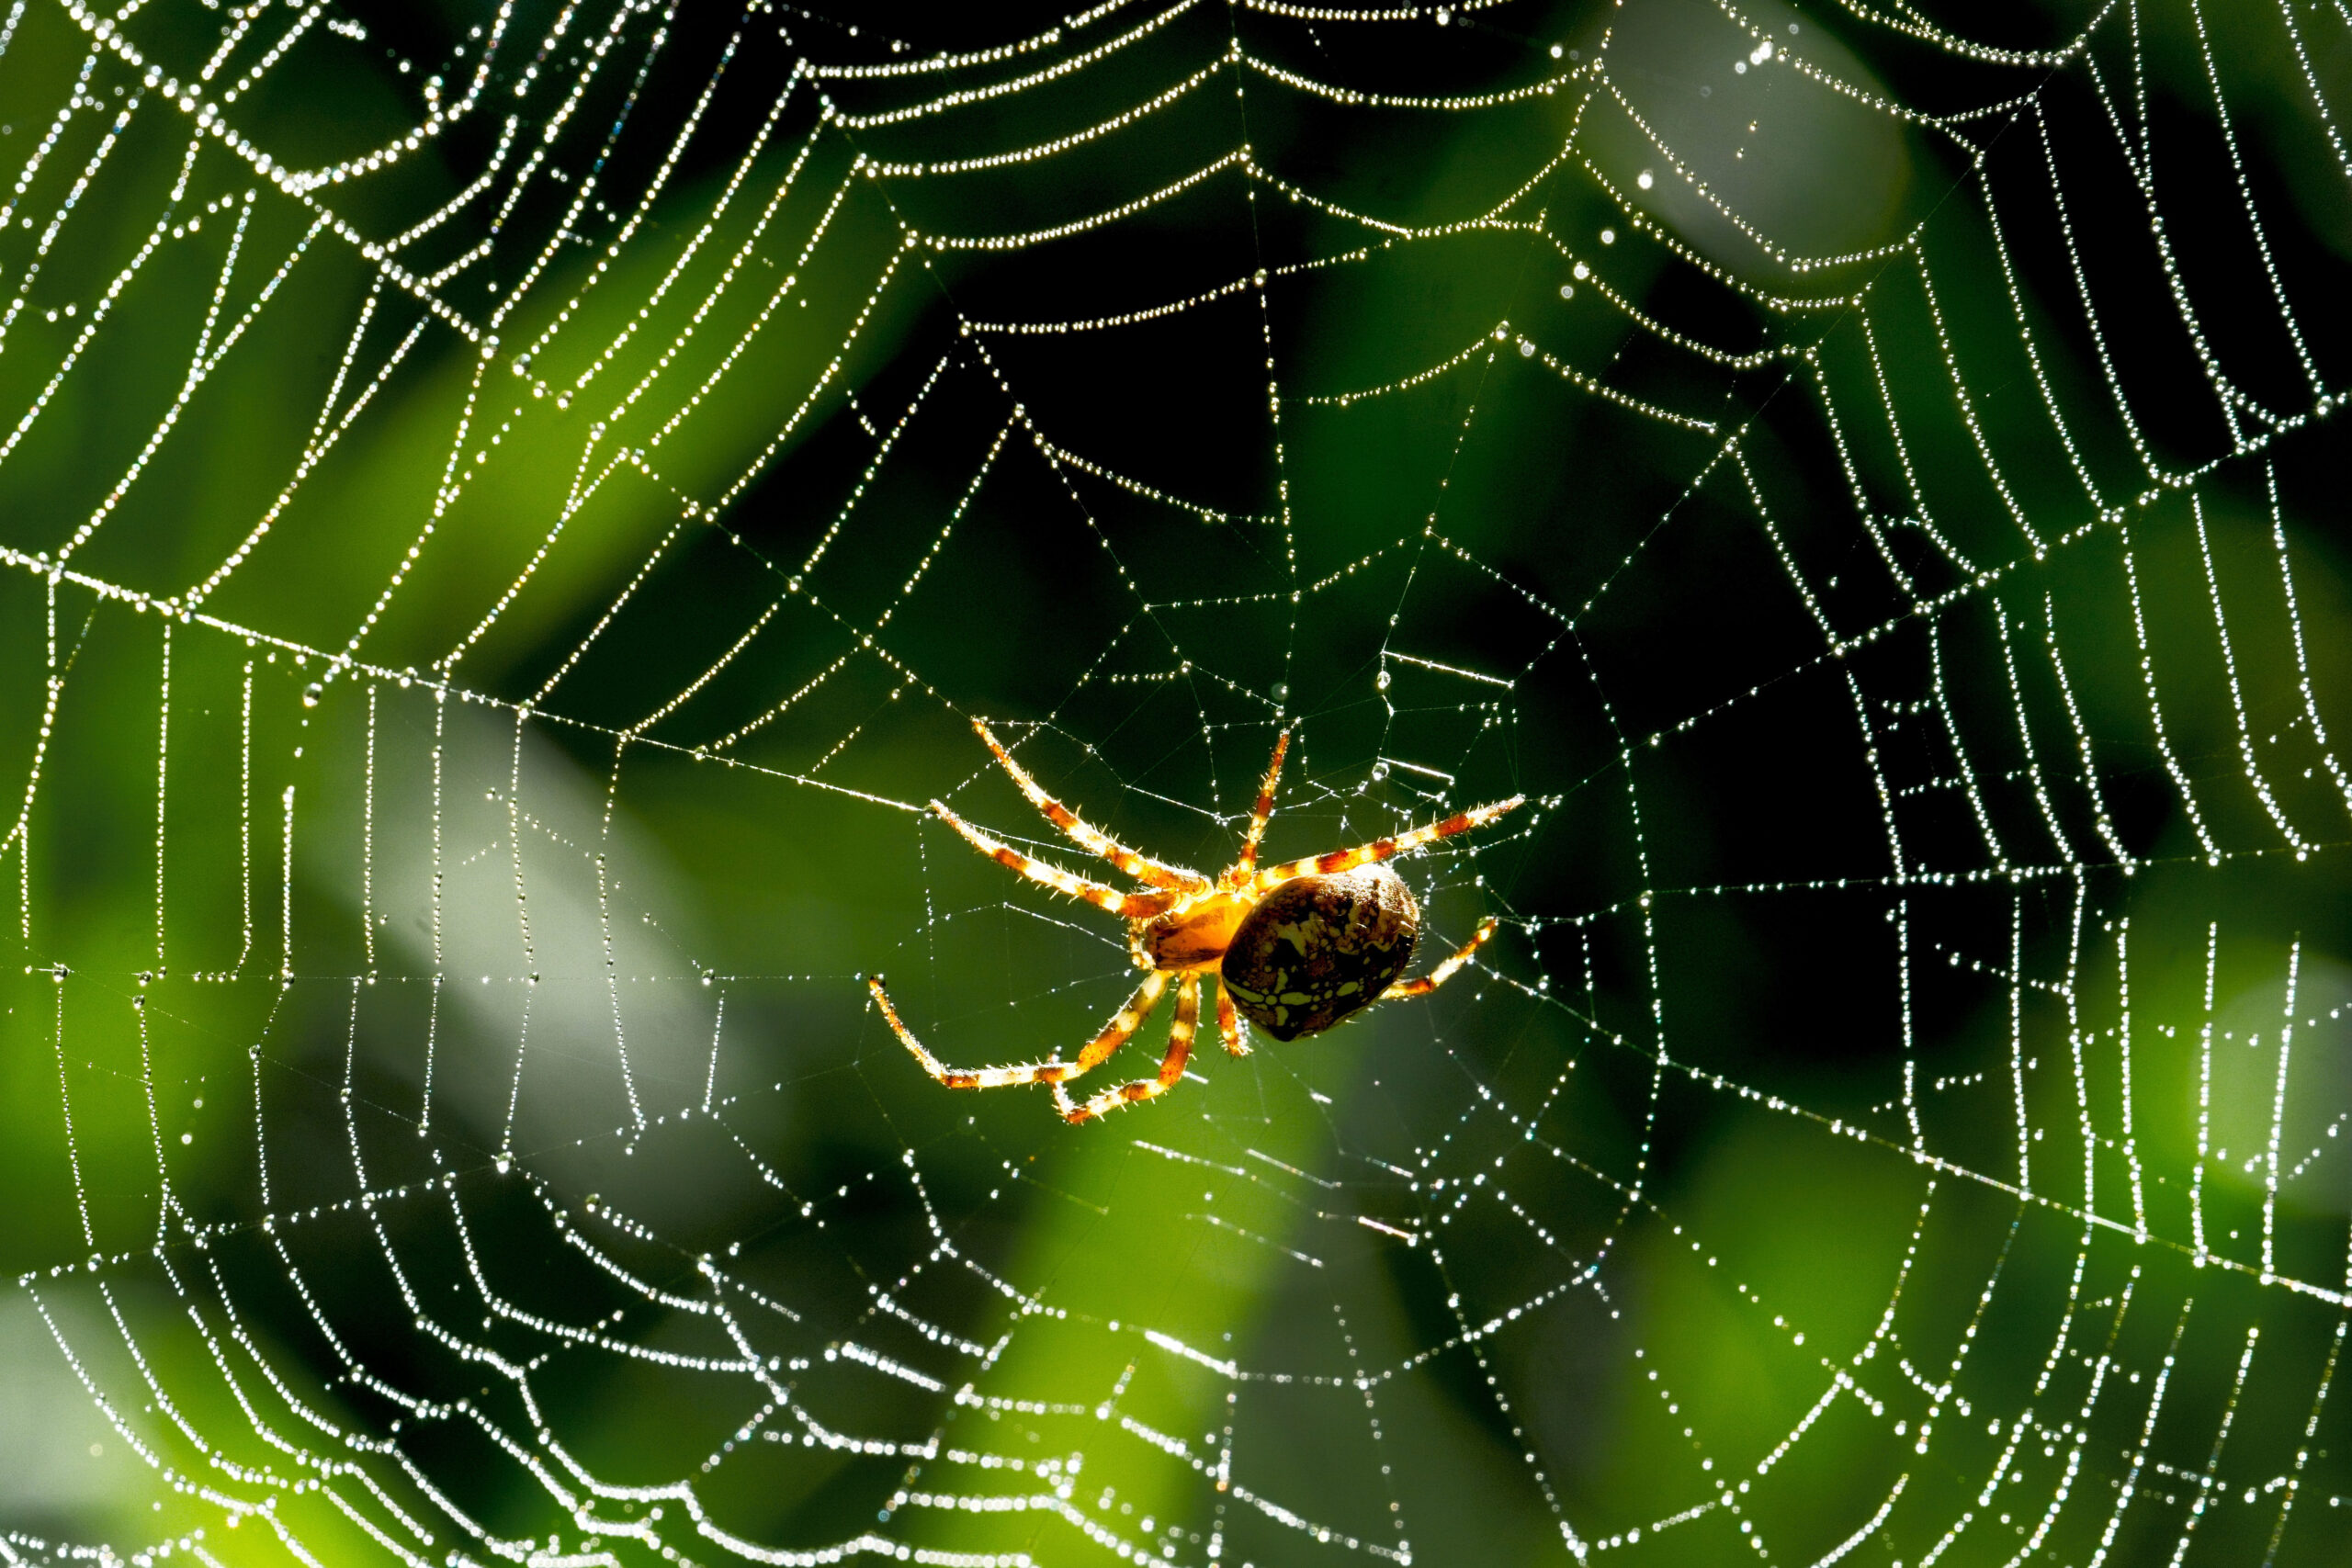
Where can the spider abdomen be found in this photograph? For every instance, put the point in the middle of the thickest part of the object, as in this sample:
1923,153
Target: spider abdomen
1320,948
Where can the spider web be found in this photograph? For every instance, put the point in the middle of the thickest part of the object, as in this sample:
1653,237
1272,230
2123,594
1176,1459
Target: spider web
509,512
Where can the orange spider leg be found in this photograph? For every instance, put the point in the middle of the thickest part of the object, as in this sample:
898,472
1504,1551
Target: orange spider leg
1228,1023
1382,849
1443,972
1260,814
1134,905
1088,836
1115,1034
1172,1067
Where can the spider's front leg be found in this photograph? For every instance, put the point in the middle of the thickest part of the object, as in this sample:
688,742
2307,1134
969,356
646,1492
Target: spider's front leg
1117,1032
1238,874
1172,1067
1134,906
1141,867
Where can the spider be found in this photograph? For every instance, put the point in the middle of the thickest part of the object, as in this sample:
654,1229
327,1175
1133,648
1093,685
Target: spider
1297,948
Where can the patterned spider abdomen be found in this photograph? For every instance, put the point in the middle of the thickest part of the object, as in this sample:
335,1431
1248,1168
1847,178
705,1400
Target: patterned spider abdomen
1318,948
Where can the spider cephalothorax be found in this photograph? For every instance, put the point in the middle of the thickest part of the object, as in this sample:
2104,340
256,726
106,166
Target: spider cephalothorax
1295,947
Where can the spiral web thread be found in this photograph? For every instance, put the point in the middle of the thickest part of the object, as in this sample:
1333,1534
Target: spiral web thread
589,317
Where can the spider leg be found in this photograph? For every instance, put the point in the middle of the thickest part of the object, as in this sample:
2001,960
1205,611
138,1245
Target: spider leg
1134,905
1088,836
1117,1032
1172,1067
1248,860
1382,849
1228,1023
1443,972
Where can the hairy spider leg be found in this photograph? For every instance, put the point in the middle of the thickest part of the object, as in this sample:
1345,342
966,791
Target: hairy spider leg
1115,1034
1382,849
1443,972
1087,835
1134,905
1228,1023
1171,1065
1247,862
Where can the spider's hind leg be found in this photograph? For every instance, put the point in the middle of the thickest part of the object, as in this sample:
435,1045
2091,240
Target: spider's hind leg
1172,1067
1117,1032
1228,1023
1443,972
1383,849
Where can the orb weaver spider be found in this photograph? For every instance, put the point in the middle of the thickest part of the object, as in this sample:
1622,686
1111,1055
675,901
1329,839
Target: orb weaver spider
1297,948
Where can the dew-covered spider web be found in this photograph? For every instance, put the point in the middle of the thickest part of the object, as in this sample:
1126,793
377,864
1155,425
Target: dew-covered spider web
508,514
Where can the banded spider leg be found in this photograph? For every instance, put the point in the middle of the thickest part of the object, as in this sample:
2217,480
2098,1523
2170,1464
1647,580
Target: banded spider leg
1115,1034
1171,1065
